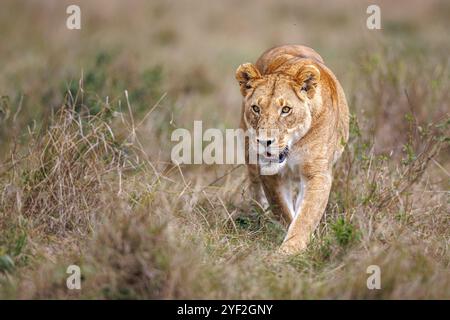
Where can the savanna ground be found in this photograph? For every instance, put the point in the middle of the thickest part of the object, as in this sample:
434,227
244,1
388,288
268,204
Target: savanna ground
85,171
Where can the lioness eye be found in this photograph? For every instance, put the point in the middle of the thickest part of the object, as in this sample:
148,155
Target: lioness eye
255,108
286,109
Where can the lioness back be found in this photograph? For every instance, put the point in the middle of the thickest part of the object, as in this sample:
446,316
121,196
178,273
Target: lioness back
270,59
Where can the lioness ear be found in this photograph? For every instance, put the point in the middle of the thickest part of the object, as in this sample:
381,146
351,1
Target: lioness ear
308,76
244,74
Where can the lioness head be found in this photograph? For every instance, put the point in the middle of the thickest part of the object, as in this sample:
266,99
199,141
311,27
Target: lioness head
278,109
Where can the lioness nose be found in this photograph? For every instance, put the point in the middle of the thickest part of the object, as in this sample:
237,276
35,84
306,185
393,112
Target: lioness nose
267,142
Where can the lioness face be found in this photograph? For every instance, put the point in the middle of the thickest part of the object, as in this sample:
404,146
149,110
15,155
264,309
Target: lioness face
277,111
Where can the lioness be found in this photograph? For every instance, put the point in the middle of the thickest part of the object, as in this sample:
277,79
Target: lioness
298,110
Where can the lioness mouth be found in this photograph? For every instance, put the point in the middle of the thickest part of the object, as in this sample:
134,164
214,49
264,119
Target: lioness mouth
270,158
282,156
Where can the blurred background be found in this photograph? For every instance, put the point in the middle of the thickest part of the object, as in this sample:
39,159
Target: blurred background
73,189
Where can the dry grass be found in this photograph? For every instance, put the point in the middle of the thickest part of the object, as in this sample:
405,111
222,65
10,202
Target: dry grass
85,176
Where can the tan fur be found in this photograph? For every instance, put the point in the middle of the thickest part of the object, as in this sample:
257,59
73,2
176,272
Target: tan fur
315,131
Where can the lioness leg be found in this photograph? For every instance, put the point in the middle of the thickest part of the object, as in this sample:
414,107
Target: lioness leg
315,198
275,193
256,187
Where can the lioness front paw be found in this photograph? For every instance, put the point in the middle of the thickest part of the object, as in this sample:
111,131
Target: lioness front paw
292,247
261,203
